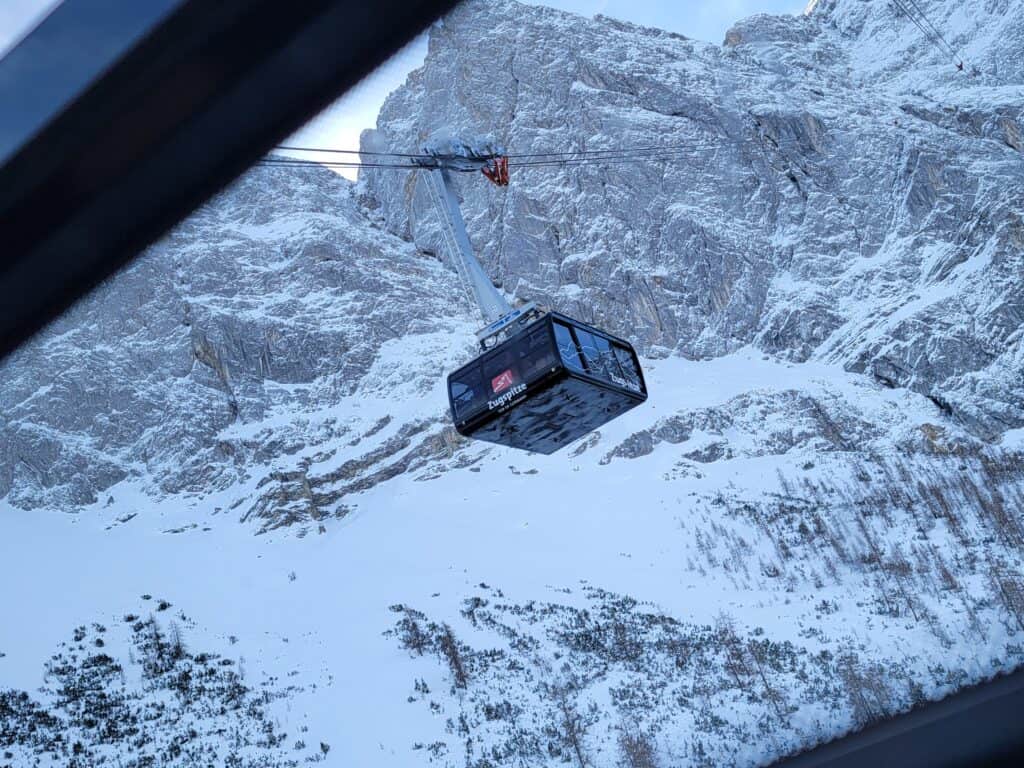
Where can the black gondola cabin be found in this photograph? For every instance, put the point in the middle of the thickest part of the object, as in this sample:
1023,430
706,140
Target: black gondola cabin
549,384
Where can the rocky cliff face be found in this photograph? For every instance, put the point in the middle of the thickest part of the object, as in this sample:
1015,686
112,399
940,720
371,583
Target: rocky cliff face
841,191
276,298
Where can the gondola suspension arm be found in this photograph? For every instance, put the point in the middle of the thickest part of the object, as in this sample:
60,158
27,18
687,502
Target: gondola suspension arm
499,315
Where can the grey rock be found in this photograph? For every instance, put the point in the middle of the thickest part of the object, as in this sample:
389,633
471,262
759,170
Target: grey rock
759,424
845,193
278,295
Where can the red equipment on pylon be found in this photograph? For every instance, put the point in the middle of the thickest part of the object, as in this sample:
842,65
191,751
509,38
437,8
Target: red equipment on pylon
497,171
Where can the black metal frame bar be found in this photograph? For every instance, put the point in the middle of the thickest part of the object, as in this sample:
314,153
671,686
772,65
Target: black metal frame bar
978,726
187,109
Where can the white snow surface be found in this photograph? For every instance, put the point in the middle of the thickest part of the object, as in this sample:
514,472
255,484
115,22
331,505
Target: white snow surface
539,528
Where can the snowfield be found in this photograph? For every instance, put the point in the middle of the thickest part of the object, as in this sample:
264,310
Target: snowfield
573,532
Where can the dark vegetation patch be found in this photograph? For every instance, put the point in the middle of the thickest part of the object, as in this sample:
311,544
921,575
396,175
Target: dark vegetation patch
151,701
614,682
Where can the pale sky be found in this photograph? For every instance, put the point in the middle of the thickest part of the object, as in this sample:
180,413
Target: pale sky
339,125
17,17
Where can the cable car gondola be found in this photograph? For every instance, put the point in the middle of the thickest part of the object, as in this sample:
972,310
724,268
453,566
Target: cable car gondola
547,385
543,379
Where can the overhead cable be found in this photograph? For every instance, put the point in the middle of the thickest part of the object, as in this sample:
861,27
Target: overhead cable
931,32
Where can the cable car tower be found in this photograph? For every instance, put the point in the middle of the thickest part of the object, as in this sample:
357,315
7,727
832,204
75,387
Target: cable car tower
542,379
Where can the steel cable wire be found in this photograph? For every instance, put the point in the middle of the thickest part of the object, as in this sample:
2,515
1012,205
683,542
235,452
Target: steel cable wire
938,34
600,157
934,38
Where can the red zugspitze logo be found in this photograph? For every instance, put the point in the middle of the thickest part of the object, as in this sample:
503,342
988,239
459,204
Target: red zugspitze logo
502,381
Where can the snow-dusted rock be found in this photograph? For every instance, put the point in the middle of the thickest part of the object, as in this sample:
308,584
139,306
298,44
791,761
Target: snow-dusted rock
841,190
276,297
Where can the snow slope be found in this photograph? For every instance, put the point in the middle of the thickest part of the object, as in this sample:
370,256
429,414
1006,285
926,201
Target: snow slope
714,545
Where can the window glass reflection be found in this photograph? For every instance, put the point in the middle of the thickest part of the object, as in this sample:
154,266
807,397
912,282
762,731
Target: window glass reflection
536,353
567,348
628,368
467,392
597,352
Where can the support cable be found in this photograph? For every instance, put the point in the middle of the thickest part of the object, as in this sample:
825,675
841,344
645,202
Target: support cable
938,34
347,151
931,35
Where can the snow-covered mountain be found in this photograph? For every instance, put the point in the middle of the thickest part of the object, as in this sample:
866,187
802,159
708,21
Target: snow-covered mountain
850,196
815,521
